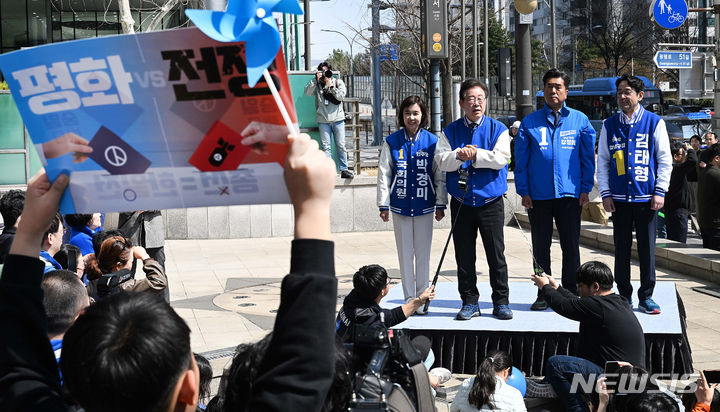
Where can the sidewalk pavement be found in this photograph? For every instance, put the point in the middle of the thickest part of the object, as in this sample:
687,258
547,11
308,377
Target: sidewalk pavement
228,290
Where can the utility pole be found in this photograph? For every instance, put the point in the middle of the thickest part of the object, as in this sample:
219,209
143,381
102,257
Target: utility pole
308,64
376,74
435,98
716,115
463,34
553,39
486,47
475,39
523,69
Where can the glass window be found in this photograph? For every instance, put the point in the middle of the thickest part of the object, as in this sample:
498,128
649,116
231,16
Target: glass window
13,166
85,25
14,23
56,28
35,163
136,18
108,23
68,25
11,125
37,22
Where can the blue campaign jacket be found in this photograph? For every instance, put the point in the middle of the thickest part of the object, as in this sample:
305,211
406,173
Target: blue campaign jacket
412,191
82,238
634,153
484,184
552,162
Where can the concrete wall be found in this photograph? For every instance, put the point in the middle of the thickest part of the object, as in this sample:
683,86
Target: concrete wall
353,210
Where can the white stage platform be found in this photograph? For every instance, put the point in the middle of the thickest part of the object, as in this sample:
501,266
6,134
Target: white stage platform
522,294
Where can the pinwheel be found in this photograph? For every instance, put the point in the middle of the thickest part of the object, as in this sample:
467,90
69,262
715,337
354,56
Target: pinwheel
250,21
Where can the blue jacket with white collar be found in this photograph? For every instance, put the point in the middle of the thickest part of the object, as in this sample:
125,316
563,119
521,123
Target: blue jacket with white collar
409,181
634,159
487,178
553,162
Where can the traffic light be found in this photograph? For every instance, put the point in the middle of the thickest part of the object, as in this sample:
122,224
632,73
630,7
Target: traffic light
525,6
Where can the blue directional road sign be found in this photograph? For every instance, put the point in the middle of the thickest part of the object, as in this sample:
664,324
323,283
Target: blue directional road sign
669,14
673,60
698,115
388,52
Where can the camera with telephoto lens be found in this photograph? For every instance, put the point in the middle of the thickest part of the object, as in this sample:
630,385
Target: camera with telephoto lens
381,360
463,177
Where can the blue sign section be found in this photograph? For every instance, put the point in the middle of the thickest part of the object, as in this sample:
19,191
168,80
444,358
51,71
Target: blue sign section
673,60
698,115
670,14
388,52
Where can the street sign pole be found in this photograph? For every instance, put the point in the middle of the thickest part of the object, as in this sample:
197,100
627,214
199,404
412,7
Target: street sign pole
716,115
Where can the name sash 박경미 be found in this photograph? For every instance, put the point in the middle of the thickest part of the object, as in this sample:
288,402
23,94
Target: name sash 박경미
151,120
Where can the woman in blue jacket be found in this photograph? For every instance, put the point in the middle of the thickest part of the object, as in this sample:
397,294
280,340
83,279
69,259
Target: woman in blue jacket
83,228
412,187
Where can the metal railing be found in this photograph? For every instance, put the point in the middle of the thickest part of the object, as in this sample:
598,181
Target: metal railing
392,88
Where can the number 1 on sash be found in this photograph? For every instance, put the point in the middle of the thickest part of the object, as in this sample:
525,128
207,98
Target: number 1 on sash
619,162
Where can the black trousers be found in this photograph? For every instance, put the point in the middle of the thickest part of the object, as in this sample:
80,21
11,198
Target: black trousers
676,223
489,221
565,211
640,217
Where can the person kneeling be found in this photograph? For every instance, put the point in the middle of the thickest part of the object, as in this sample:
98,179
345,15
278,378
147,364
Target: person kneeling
370,285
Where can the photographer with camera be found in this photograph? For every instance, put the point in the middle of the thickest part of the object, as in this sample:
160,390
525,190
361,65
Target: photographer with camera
474,151
608,331
329,93
384,360
370,285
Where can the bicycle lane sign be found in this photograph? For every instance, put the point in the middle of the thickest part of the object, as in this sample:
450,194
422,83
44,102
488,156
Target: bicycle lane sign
669,14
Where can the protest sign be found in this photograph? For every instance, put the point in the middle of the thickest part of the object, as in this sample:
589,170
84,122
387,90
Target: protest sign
152,121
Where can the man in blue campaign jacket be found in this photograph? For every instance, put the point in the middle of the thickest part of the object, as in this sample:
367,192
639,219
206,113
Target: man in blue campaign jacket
554,170
479,146
634,167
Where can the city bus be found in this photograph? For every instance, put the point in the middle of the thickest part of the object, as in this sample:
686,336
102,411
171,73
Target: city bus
596,97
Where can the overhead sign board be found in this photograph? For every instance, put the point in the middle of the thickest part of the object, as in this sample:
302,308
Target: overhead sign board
669,14
673,60
434,29
388,52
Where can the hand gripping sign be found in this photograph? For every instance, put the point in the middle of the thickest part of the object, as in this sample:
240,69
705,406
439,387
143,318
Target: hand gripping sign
154,120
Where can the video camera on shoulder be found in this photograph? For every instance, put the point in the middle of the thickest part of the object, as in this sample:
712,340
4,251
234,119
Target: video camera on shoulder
381,362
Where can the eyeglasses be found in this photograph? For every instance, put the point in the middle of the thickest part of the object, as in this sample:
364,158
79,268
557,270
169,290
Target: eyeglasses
474,99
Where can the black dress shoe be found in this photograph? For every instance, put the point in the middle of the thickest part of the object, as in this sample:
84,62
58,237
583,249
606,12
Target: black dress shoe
346,174
539,304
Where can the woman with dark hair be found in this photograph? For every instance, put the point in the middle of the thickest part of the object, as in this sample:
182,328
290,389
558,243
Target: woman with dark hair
83,227
115,261
412,187
488,390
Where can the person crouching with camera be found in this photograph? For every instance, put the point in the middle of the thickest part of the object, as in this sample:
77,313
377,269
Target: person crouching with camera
370,285
329,93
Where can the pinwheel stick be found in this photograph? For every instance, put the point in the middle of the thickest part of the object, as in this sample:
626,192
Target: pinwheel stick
291,127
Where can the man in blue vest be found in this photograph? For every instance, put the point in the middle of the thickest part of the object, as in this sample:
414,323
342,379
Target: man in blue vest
476,149
554,171
634,166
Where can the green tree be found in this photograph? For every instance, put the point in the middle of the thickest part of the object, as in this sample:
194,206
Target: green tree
340,61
